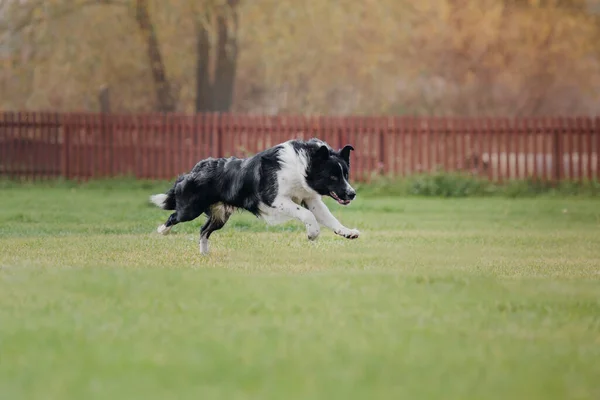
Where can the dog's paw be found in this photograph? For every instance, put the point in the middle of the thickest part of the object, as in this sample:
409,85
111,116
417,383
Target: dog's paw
163,230
348,233
312,231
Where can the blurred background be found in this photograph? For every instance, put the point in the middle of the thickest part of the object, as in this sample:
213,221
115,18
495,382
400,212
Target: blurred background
359,57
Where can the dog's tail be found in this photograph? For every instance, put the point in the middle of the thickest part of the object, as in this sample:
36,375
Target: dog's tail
166,201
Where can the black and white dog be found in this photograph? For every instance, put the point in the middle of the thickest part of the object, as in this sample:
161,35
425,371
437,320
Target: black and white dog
278,184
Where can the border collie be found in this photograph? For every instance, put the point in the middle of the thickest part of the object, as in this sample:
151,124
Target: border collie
278,184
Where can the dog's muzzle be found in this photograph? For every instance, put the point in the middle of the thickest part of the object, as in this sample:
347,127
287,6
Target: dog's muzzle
345,200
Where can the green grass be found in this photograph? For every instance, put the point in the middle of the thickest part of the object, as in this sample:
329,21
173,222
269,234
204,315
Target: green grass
476,298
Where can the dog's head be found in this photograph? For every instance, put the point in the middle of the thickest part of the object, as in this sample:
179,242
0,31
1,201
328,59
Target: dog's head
328,171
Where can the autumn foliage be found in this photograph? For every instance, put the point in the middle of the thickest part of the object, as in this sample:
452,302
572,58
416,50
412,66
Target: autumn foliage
443,57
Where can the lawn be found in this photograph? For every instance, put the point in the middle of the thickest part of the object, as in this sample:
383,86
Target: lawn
438,299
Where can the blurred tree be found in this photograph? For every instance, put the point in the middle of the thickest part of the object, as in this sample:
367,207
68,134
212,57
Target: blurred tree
514,57
280,56
216,94
227,54
164,97
108,44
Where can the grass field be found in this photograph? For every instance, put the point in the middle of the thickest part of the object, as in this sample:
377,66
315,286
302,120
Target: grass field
438,299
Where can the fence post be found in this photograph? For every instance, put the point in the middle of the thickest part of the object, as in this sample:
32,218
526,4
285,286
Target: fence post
545,130
66,145
597,137
383,165
517,133
107,141
533,126
489,146
406,150
218,132
588,147
557,151
580,132
340,131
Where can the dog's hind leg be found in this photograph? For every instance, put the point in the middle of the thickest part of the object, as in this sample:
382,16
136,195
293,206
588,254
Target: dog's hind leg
218,215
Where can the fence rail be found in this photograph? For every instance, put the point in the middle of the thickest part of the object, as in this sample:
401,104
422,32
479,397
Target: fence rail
81,146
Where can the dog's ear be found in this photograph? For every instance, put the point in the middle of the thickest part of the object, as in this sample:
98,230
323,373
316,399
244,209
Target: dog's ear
322,153
345,153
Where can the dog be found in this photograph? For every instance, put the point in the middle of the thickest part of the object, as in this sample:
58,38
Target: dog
284,182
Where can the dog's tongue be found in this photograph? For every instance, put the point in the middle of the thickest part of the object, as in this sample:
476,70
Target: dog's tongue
340,201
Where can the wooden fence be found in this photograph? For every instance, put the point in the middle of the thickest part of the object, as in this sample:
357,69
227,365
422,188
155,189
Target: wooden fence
161,146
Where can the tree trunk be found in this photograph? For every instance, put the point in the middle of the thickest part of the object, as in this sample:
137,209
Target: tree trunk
164,97
204,92
226,63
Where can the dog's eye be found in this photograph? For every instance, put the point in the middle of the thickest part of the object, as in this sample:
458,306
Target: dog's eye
333,178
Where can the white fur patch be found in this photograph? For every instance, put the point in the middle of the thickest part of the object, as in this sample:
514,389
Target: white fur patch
284,209
291,178
159,199
272,215
348,187
163,230
203,245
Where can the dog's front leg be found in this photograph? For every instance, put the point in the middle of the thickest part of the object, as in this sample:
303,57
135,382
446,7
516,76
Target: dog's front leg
286,206
326,218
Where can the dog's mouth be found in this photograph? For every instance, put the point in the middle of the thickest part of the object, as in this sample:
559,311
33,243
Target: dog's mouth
337,198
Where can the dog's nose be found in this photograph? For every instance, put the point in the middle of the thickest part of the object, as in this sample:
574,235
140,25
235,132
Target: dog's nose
351,195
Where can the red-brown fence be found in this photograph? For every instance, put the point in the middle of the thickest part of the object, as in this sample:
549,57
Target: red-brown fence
161,146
